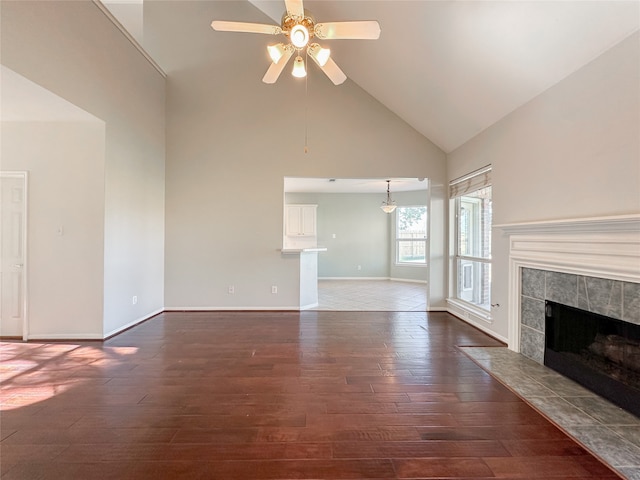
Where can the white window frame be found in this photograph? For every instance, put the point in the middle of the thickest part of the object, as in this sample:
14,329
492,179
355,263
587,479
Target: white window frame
459,188
399,239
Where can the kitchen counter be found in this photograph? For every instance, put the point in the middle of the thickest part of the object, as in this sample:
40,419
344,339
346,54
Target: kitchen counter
289,251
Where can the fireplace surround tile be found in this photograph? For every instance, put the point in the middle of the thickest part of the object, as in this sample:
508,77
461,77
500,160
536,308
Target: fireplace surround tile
562,412
632,473
631,302
631,433
533,313
614,298
604,411
532,344
603,296
613,449
533,283
563,386
562,288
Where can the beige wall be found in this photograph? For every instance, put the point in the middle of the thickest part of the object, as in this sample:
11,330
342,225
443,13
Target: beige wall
572,152
65,161
73,50
231,141
225,170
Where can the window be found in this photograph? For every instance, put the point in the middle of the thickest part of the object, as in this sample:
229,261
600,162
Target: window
471,197
411,235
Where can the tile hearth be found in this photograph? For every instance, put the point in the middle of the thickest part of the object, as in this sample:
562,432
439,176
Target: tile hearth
607,431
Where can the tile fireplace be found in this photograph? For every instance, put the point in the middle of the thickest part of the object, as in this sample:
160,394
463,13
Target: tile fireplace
588,264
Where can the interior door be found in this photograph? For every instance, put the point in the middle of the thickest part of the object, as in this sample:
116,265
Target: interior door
13,189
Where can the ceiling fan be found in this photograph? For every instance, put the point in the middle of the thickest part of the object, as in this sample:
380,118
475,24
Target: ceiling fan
301,28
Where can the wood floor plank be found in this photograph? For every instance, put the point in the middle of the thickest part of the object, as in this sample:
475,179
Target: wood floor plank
273,395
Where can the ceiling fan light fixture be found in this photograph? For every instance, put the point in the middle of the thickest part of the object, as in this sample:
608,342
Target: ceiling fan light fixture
276,52
299,36
299,70
319,54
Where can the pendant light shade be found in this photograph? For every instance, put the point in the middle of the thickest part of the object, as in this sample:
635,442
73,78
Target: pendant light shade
388,205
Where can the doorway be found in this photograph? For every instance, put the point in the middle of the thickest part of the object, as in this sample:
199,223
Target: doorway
360,269
13,248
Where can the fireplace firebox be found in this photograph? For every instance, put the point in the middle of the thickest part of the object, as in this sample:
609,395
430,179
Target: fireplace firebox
599,352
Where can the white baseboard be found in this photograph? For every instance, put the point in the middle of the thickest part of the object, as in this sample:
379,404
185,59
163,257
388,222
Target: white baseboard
228,309
392,279
354,278
65,336
408,280
310,306
115,331
480,326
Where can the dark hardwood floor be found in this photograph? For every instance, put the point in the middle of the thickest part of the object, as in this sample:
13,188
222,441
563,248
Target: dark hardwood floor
276,395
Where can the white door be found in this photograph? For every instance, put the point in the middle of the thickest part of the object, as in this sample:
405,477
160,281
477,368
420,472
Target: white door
13,192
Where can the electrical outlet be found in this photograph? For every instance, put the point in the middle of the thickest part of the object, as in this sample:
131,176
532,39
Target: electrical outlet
134,300
359,267
274,289
232,289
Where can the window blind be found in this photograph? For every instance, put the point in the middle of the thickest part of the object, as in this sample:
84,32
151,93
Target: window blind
471,182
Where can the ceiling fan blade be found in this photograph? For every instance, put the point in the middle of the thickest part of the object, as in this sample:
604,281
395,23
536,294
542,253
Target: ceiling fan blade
332,70
362,30
224,26
275,69
294,8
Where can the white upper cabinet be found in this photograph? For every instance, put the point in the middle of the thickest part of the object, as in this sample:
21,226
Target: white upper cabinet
300,220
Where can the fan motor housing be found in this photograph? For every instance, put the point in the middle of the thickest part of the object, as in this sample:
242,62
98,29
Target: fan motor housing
288,22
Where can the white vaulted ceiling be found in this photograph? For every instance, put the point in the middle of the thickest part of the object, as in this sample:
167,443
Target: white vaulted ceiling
450,69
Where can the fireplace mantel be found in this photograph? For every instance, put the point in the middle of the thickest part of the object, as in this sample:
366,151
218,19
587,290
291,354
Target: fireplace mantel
601,247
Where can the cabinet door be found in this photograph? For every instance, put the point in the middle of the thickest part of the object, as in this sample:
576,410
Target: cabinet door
308,220
293,220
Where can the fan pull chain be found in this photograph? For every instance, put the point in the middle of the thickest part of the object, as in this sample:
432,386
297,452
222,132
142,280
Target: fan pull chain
306,107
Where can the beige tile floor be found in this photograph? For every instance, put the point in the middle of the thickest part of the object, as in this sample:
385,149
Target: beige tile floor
371,295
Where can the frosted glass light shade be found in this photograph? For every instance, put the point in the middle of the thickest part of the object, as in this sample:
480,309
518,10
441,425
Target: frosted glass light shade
298,68
276,52
319,54
388,208
299,36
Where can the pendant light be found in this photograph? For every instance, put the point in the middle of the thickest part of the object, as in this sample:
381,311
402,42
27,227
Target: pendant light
388,205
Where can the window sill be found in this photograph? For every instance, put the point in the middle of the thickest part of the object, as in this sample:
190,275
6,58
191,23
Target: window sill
414,265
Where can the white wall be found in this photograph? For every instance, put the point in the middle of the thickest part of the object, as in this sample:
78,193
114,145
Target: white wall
231,140
572,152
65,161
73,50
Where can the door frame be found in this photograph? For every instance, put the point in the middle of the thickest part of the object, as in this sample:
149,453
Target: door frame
24,175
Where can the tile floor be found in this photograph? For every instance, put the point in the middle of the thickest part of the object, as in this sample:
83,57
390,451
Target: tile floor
371,295
607,431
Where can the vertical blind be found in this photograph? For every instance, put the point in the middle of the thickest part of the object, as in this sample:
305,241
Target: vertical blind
471,182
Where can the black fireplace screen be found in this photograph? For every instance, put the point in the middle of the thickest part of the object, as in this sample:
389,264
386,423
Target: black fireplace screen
599,352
